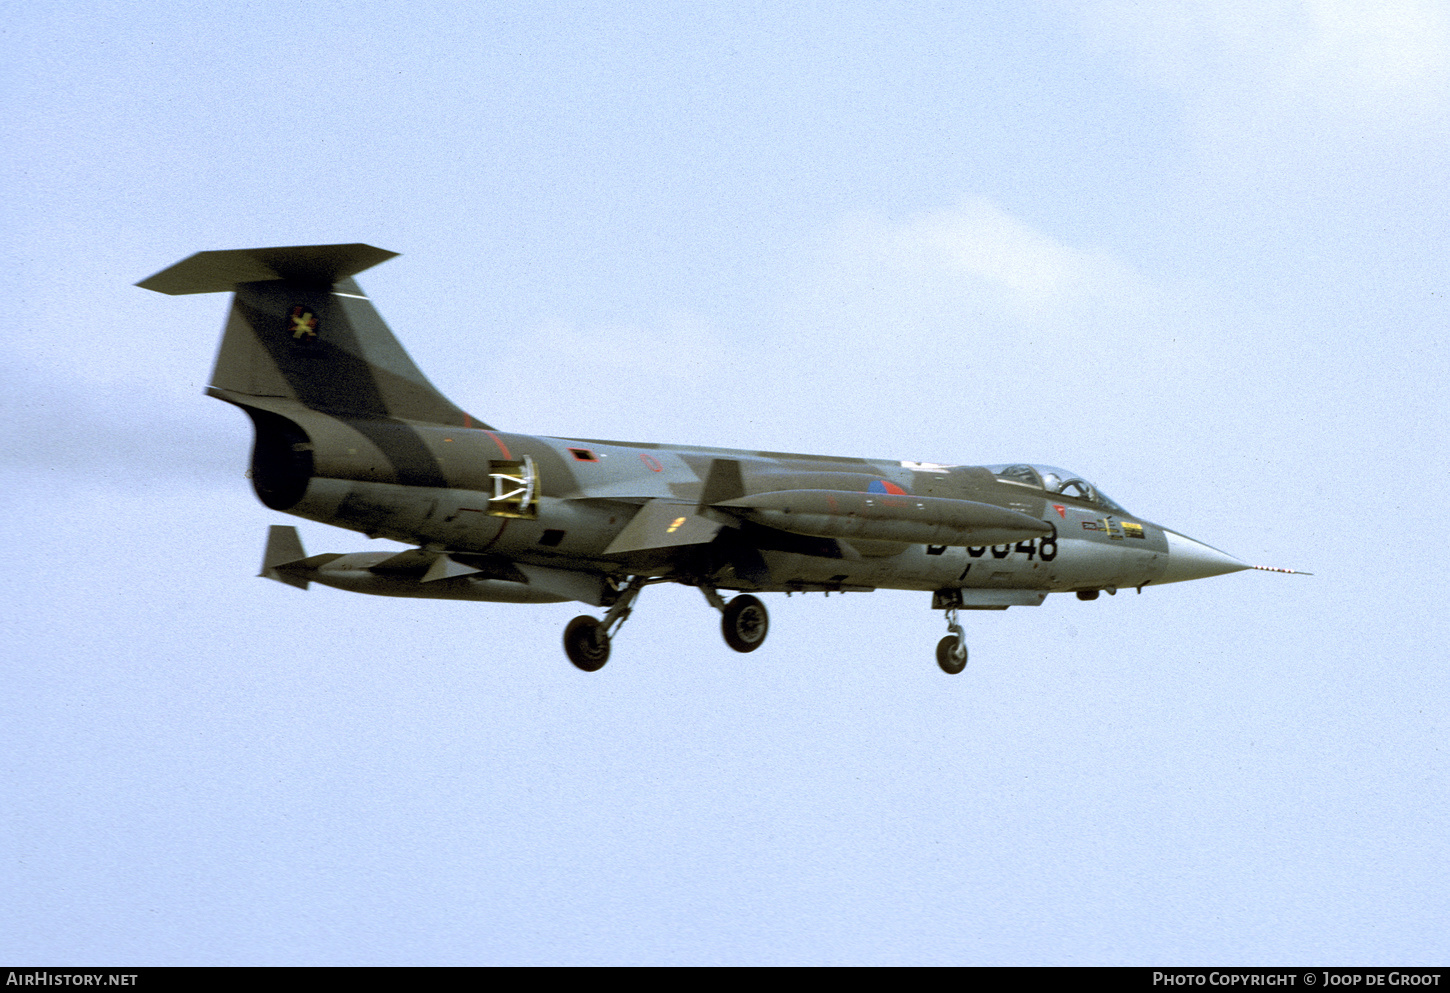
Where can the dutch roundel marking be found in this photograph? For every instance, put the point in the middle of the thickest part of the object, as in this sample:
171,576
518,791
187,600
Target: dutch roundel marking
885,486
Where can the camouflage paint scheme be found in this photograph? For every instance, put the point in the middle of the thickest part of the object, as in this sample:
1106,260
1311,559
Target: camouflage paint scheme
349,432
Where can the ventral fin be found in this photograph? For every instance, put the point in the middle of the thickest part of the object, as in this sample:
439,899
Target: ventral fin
444,567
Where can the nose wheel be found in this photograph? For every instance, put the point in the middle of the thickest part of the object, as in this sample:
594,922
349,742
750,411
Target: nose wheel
951,651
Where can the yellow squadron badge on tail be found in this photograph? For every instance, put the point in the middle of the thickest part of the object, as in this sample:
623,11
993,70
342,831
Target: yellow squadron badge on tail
302,323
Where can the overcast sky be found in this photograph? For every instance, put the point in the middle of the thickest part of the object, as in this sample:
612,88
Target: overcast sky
1194,251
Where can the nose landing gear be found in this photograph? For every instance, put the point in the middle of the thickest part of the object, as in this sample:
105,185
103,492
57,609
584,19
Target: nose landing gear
951,651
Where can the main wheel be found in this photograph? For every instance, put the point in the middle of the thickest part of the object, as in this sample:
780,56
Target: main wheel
745,623
946,655
586,644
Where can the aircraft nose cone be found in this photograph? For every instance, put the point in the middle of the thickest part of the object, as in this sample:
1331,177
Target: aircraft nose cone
1189,559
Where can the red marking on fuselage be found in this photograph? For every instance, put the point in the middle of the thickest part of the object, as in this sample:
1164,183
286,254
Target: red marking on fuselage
501,529
501,446
467,420
1061,510
655,465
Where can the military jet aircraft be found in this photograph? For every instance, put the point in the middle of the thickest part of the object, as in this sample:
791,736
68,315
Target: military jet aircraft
349,432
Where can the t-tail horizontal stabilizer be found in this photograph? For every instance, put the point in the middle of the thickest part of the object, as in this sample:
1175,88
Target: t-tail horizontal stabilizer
220,272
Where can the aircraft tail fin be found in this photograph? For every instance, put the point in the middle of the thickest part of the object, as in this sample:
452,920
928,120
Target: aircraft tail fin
300,328
284,548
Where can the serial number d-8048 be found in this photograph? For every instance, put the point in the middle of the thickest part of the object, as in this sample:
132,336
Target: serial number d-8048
1044,548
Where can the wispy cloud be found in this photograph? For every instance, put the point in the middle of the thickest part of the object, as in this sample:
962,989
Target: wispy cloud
967,259
66,427
664,374
1371,69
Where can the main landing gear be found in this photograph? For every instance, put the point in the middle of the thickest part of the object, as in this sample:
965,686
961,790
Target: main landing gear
586,640
951,651
744,622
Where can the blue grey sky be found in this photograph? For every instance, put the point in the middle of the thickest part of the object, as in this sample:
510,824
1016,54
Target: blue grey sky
1194,251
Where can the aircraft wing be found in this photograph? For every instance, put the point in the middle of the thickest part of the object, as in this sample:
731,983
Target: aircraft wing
664,524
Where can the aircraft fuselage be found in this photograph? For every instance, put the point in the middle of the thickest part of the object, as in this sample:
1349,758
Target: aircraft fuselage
588,492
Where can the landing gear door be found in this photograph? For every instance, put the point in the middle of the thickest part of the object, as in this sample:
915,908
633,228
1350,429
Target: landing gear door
515,489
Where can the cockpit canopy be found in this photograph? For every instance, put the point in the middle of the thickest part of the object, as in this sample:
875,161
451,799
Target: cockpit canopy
1055,480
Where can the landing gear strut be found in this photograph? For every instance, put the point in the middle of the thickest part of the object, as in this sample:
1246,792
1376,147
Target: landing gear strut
744,620
586,640
951,651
